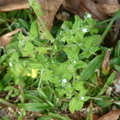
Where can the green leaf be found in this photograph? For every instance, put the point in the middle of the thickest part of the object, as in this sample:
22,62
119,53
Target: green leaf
117,50
78,22
91,67
6,103
32,97
115,61
65,69
66,25
104,102
80,64
8,88
90,114
53,116
110,79
23,23
117,67
14,57
35,106
2,58
7,78
11,47
34,30
73,105
27,48
58,116
79,105
35,64
41,50
79,86
47,74
90,45
72,52
17,69
108,82
41,94
80,100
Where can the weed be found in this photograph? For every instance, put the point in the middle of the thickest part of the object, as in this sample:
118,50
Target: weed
46,73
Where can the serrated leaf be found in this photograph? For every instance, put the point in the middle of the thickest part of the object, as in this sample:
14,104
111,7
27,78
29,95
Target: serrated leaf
29,48
73,105
79,86
34,30
80,104
80,64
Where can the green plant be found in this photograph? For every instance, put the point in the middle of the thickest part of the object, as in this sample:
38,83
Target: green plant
53,74
16,19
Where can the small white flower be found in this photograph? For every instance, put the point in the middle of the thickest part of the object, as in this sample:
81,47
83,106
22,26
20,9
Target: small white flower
88,15
74,62
82,98
64,81
84,30
10,64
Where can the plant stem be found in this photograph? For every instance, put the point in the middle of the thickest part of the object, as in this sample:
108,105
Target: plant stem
45,29
107,29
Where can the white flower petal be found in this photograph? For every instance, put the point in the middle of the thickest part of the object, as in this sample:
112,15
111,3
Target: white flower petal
64,81
84,30
88,15
82,98
10,64
74,61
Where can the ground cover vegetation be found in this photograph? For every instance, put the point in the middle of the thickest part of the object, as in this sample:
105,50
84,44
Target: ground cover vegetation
58,71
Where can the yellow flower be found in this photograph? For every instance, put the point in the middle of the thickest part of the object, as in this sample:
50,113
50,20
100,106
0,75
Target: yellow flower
33,73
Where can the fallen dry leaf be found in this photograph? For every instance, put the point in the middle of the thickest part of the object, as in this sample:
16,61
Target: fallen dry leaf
79,7
9,5
50,9
5,39
109,9
113,115
115,2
